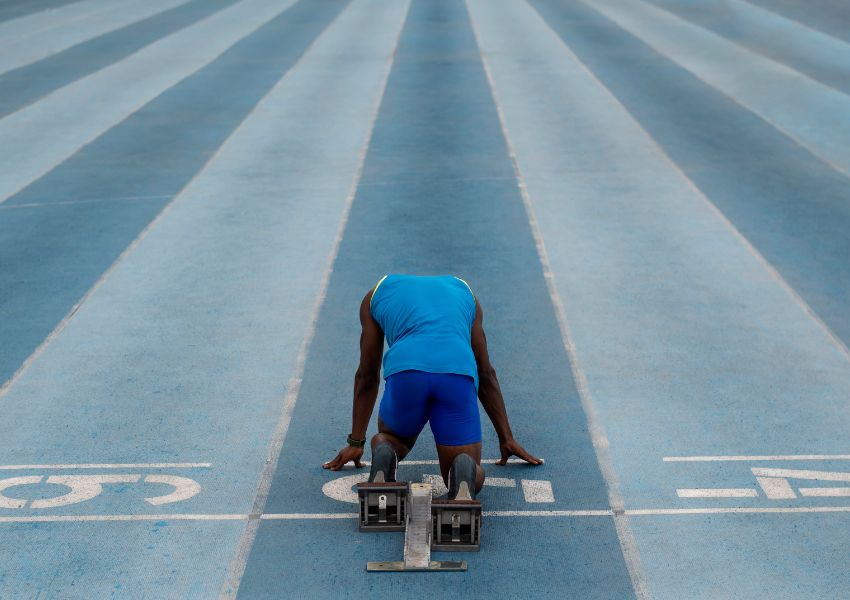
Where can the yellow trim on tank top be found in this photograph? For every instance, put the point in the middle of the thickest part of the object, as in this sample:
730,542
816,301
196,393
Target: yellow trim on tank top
375,289
464,283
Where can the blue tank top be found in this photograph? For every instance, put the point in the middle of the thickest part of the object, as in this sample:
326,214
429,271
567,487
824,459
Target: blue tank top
427,321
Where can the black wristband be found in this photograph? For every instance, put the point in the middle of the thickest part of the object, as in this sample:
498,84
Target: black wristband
355,442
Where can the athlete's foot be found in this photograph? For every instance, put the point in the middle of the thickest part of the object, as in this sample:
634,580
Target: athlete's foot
462,478
384,463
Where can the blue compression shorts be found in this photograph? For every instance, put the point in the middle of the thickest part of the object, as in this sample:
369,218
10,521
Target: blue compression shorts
448,401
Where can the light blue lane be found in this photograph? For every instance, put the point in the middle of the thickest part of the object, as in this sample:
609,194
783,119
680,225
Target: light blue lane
791,205
185,352
438,195
690,346
25,41
809,51
15,9
46,133
829,16
25,85
62,232
816,116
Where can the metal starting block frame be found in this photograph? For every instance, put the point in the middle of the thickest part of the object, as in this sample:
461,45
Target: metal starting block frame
417,538
456,525
383,505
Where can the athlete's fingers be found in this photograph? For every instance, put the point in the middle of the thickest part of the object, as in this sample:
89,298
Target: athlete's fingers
336,464
529,458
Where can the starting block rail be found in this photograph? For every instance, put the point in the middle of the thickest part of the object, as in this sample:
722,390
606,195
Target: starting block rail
417,538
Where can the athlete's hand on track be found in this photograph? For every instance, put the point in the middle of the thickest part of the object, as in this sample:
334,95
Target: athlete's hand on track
512,447
345,456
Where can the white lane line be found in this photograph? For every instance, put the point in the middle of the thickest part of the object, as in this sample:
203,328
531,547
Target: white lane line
42,44
47,132
548,513
299,516
717,493
6,206
631,555
807,111
236,569
537,491
833,492
186,465
757,457
644,512
661,153
638,512
90,518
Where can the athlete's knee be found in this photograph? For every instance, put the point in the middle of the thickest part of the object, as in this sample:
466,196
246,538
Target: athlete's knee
479,478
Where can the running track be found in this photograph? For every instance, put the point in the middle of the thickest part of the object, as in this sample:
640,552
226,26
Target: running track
651,198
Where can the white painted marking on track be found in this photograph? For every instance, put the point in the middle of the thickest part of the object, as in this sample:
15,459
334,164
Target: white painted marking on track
537,491
99,518
87,487
757,458
108,466
548,513
299,516
340,488
5,501
438,488
801,474
776,488
184,488
830,492
642,512
717,493
500,482
83,487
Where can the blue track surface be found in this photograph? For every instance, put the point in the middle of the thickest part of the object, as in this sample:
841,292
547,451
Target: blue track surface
650,198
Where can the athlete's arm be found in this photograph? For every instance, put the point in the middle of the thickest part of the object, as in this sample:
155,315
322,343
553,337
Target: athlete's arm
490,395
366,382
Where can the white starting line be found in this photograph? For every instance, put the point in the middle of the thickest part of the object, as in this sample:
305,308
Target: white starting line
638,512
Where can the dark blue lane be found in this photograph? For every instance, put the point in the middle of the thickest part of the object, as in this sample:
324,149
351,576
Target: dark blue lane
27,84
789,204
438,195
52,253
830,16
803,53
12,9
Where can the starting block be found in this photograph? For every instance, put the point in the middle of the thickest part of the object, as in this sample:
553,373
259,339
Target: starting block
417,538
456,525
383,505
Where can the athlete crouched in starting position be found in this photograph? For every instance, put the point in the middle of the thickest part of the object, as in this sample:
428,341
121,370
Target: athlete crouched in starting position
435,365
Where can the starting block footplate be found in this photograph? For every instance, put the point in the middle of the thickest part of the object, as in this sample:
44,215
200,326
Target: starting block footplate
383,505
456,525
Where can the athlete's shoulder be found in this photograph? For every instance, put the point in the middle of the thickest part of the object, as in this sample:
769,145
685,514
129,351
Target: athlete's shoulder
464,282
